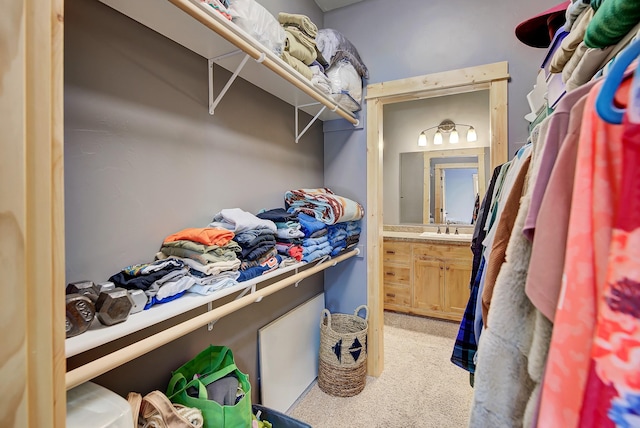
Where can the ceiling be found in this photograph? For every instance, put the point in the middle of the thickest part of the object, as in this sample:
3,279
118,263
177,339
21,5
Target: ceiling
327,5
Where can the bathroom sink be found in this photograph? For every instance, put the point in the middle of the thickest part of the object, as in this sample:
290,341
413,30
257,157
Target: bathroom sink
448,237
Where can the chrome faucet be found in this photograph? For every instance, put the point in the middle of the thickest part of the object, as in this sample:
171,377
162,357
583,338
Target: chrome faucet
447,229
439,231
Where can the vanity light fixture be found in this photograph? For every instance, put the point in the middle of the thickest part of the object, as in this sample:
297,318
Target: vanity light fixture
447,126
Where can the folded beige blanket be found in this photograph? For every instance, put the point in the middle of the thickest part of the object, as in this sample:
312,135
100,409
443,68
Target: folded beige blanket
299,46
301,21
297,65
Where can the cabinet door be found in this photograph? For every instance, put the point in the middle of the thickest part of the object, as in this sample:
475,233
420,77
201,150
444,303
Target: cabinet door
428,284
457,276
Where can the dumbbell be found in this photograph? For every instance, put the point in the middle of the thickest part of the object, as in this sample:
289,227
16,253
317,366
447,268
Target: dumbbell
80,312
112,305
139,300
105,286
84,288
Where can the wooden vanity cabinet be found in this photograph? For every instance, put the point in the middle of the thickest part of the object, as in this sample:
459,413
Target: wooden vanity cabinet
429,279
396,262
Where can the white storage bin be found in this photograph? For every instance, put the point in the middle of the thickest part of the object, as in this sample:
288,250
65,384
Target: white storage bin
97,406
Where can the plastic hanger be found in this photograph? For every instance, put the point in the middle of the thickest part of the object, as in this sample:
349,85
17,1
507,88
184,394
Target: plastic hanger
604,101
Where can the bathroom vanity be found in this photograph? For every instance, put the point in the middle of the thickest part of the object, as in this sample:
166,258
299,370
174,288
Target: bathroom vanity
425,272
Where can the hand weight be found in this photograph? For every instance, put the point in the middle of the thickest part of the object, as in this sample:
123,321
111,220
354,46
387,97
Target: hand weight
113,306
80,312
139,300
85,288
105,286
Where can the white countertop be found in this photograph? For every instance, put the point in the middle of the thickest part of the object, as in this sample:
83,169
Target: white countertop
428,236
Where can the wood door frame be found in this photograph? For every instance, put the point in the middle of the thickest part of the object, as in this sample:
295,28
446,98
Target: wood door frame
439,185
492,77
32,214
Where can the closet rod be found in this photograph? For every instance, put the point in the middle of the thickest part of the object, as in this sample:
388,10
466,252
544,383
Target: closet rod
208,21
115,359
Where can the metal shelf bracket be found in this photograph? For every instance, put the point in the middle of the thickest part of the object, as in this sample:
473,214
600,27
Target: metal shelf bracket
213,102
239,296
299,135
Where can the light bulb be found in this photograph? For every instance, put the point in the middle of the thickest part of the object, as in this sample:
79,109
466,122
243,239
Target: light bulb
422,140
471,135
437,139
454,138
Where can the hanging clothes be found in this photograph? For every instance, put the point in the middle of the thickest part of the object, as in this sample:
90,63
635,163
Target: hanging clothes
501,239
595,197
502,384
613,384
466,343
548,217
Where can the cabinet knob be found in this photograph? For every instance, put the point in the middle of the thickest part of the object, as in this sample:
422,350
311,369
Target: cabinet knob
391,295
390,252
390,273
447,267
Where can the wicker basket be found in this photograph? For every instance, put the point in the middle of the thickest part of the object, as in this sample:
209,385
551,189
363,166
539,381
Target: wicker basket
342,370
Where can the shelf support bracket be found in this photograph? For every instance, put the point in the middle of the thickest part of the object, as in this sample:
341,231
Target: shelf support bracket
298,136
239,296
213,102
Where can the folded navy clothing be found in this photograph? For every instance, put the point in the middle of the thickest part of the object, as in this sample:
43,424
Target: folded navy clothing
258,251
140,282
253,272
277,215
258,240
295,241
245,237
353,239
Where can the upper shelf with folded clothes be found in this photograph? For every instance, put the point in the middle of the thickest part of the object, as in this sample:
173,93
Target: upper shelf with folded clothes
201,28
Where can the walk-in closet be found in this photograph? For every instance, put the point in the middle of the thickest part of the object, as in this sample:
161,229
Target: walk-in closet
427,141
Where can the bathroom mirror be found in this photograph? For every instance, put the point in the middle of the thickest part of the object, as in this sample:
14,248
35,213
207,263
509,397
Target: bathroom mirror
414,158
442,186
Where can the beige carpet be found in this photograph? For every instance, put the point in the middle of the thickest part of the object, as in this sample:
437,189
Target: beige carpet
419,387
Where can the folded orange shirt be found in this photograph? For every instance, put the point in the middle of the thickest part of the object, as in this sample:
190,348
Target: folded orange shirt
203,235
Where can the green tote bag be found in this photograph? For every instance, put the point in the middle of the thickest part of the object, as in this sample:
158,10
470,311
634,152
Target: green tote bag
212,364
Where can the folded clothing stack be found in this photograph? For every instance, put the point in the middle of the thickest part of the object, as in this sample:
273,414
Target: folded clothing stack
256,238
300,43
323,204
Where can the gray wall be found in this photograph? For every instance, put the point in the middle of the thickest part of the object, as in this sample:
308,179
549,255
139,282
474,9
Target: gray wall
303,7
144,159
345,174
412,37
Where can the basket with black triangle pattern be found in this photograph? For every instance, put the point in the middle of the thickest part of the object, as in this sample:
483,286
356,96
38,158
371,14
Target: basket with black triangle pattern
342,367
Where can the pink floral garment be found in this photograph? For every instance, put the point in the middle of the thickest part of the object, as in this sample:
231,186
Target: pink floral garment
613,386
595,194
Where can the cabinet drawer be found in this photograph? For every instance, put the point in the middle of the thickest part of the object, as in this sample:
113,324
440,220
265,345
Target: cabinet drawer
397,295
398,275
442,251
396,252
